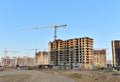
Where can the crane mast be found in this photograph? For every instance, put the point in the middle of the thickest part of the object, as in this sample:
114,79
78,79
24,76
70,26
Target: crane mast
55,32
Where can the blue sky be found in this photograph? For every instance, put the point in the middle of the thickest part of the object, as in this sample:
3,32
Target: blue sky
98,19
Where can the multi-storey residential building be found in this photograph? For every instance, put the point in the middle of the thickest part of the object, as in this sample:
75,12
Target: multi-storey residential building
21,61
24,61
12,61
71,52
28,61
116,52
41,58
100,57
5,61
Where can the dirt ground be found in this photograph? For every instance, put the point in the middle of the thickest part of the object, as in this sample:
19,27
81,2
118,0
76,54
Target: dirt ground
47,75
89,76
32,76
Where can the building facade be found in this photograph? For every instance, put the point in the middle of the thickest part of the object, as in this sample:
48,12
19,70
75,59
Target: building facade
7,61
24,61
76,51
20,61
41,58
29,61
116,52
100,58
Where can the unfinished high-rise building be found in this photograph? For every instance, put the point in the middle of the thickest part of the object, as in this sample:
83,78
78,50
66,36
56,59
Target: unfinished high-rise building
116,52
72,51
100,57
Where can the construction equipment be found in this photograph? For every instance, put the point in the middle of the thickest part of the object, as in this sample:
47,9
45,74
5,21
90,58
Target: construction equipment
54,26
6,51
36,49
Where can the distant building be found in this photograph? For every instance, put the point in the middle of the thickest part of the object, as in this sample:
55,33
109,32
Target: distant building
12,61
0,64
72,52
5,61
116,52
41,58
24,61
100,57
19,61
28,61
110,62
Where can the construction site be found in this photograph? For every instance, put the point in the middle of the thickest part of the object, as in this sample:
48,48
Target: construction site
74,53
71,60
60,41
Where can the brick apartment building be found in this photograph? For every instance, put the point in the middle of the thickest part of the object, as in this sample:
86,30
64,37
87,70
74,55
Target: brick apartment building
71,52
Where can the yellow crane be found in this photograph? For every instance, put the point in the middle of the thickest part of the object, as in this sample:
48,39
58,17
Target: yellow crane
54,26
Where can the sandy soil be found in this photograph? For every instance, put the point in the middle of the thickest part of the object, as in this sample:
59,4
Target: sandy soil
59,76
32,76
89,76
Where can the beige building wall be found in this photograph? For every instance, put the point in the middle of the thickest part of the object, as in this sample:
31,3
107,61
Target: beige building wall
24,61
19,61
100,58
41,58
28,61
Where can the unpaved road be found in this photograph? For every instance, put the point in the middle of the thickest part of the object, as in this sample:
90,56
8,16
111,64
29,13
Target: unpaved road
32,76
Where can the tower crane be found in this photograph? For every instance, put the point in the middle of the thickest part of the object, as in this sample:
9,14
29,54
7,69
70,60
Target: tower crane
36,49
6,51
54,26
